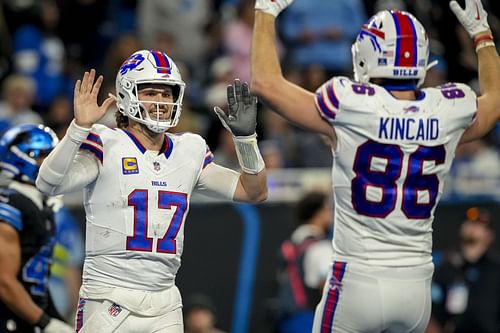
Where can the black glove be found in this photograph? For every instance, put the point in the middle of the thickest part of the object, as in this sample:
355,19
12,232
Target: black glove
242,118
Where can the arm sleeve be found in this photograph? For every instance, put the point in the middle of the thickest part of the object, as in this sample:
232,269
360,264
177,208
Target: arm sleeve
66,169
218,182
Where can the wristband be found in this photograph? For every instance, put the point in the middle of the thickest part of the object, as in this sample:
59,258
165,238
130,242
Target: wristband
484,44
248,153
482,38
43,321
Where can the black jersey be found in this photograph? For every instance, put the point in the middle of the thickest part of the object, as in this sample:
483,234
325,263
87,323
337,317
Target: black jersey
25,209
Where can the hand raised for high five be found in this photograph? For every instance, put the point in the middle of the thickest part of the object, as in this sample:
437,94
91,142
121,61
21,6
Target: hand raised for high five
87,111
473,17
241,119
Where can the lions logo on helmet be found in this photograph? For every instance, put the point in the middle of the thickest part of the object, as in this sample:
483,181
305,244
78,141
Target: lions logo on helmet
148,67
392,45
21,146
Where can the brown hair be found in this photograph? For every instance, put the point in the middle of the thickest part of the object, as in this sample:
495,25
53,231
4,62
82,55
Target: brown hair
121,119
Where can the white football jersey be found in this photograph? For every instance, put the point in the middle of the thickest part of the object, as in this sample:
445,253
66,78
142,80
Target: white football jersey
137,206
390,162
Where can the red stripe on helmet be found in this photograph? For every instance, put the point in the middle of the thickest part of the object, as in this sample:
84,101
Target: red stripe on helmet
406,51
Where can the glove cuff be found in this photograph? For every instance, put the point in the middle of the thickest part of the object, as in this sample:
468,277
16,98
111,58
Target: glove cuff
43,321
248,153
266,8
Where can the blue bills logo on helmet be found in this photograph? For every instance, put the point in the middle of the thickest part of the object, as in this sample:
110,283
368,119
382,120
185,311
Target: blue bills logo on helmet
131,63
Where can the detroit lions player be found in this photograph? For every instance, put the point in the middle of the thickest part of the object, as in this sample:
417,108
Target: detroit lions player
137,182
393,145
27,234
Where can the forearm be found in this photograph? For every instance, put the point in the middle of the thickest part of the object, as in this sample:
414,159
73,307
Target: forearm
254,186
488,111
489,71
265,63
489,81
19,301
252,182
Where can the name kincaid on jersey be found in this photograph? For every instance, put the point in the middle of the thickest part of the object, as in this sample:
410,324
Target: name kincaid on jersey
422,129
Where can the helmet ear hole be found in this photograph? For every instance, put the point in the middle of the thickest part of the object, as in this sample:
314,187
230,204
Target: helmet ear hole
127,84
361,64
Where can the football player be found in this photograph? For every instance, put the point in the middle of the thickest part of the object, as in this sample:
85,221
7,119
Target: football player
27,234
137,182
393,146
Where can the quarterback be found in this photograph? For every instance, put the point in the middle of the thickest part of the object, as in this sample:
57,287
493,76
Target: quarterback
137,181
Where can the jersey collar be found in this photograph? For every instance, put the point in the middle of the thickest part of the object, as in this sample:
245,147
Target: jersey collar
166,147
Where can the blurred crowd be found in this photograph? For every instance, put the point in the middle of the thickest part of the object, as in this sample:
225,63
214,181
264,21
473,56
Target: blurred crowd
46,45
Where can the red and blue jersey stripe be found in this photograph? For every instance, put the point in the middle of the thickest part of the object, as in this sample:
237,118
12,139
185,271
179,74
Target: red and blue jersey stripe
209,157
327,101
93,144
406,43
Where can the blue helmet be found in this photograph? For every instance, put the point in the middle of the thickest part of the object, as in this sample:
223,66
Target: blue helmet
21,146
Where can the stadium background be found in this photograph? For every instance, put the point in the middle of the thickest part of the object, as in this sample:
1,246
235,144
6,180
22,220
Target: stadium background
231,249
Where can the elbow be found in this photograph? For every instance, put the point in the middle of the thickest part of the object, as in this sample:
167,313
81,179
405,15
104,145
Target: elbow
45,187
260,197
262,85
5,286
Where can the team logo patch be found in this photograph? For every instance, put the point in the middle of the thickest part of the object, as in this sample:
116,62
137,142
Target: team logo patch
412,109
129,165
114,310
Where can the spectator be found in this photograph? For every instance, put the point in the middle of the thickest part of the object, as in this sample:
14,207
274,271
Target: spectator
182,21
475,171
15,108
305,259
200,315
466,286
39,53
59,115
314,30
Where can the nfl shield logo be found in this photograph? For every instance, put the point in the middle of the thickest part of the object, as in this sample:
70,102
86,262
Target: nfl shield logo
156,166
114,310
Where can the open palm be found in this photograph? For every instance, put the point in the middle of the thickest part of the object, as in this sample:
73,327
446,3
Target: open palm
87,111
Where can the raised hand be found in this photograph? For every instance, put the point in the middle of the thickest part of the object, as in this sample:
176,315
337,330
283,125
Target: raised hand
473,17
273,7
242,118
87,111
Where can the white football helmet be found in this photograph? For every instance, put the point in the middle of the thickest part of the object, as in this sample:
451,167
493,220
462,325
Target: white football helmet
392,45
153,67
